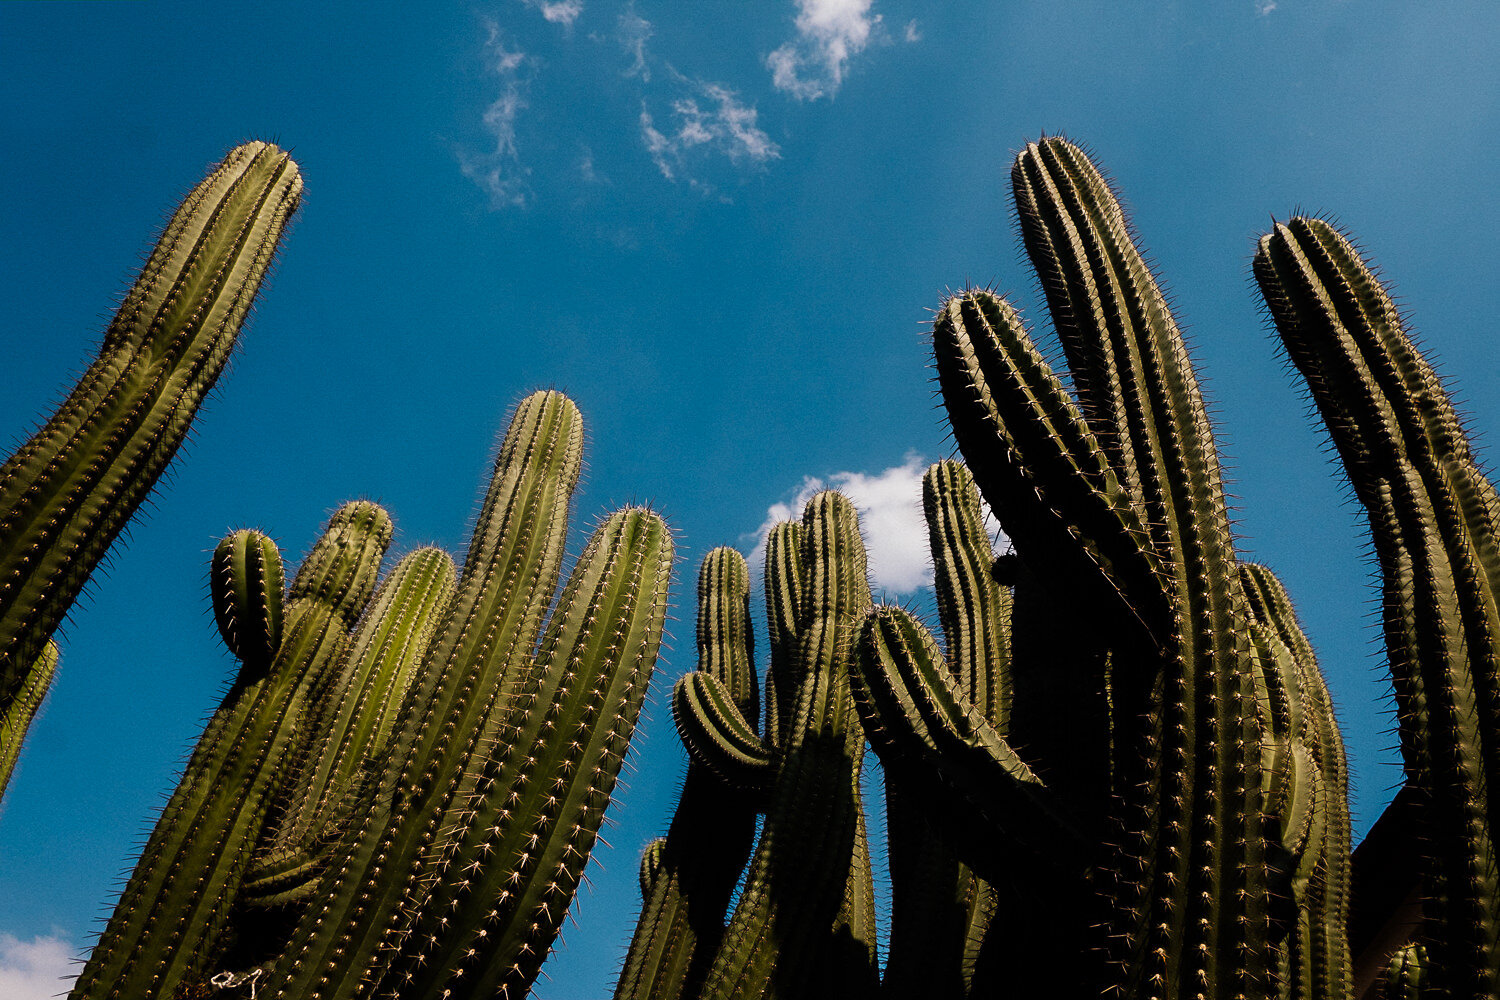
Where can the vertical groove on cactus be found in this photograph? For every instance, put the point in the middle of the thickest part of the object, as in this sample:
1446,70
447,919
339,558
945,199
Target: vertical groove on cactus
175,906
68,492
1433,518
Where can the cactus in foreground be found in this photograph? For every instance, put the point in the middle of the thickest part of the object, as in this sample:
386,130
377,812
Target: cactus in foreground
1433,519
69,491
409,802
805,923
17,716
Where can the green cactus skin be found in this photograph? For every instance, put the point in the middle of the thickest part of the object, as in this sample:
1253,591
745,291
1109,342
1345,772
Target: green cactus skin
1433,518
1306,799
68,492
17,716
351,721
510,750
1116,503
1407,976
247,587
688,876
804,924
174,908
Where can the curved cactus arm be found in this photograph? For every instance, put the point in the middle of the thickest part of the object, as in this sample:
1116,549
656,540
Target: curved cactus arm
247,588
717,736
68,492
688,876
921,727
1433,519
351,724
16,717
512,862
1406,978
472,670
795,931
1039,466
167,923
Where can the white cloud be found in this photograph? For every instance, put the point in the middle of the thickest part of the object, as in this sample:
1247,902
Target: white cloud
498,171
721,125
913,33
890,519
1264,7
633,33
563,12
829,34
38,969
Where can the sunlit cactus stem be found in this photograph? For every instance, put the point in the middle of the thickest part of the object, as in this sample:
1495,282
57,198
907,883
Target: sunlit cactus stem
17,716
69,491
1433,518
167,925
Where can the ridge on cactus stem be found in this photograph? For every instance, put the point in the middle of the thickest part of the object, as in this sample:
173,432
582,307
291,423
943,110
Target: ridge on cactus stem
69,491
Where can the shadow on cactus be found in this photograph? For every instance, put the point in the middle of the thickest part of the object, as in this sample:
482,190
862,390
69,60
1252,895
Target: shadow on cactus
400,791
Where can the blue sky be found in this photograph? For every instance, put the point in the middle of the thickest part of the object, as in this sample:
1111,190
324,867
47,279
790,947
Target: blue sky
722,232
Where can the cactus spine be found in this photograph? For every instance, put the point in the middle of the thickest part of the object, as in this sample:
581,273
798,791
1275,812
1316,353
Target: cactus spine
68,492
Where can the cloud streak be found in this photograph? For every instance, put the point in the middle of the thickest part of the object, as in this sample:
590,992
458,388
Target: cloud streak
498,171
829,34
720,125
563,12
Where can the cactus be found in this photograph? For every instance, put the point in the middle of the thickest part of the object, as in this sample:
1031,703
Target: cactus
804,924
1432,516
687,877
176,905
69,491
17,716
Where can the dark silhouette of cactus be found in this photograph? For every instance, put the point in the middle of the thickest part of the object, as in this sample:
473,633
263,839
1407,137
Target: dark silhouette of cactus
1433,518
69,491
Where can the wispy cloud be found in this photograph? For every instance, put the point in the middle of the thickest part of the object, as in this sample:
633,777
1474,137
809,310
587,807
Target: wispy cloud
720,125
890,517
38,969
498,171
1264,7
563,12
829,34
633,32
913,33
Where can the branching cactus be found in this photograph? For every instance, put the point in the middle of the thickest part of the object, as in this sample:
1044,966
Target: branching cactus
1433,518
805,923
456,872
168,922
687,877
68,492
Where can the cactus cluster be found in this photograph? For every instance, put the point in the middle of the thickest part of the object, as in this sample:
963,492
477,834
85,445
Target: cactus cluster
1120,772
400,791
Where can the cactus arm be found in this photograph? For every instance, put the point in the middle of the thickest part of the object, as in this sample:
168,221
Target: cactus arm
68,492
717,736
1406,978
784,596
16,717
512,864
1433,519
352,725
1038,464
174,907
695,867
797,891
247,587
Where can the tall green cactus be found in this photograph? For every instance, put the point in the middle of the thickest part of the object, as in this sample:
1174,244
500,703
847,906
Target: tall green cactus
1433,517
804,924
69,491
